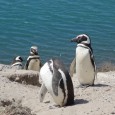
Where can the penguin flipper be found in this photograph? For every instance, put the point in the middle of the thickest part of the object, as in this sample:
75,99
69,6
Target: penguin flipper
26,65
42,92
93,64
92,59
73,67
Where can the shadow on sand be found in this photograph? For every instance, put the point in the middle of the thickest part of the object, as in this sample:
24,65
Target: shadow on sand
100,85
80,101
76,102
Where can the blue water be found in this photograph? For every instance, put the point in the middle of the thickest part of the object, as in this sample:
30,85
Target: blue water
51,24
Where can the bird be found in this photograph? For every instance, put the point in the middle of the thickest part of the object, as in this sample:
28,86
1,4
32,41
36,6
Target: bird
85,63
33,61
57,81
17,63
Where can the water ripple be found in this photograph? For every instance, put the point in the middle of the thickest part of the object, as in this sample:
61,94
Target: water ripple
51,24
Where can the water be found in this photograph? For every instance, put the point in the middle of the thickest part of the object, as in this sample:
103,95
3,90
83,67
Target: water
51,24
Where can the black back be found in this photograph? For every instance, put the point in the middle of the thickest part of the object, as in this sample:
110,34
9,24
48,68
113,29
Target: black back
58,80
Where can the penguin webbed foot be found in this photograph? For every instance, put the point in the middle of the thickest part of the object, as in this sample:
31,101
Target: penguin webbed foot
47,102
54,106
85,85
58,106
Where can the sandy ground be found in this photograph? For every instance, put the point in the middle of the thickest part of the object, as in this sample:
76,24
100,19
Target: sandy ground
96,100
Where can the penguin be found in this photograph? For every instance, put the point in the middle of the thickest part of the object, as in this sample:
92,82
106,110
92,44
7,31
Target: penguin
85,63
33,61
17,63
57,81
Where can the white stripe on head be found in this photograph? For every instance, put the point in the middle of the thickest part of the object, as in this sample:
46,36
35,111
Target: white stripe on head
17,58
35,48
51,64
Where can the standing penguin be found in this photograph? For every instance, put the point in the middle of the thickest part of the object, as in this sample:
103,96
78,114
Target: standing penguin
17,63
85,64
57,81
33,61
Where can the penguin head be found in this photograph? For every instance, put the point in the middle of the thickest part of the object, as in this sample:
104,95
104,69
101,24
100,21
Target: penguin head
17,59
34,50
82,38
56,64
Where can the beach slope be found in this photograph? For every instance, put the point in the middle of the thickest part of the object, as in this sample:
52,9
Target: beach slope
96,100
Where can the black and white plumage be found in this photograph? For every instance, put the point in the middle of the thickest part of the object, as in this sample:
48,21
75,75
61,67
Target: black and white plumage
57,81
17,63
85,64
33,61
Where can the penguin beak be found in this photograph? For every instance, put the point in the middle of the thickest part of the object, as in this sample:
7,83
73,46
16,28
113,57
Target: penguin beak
74,40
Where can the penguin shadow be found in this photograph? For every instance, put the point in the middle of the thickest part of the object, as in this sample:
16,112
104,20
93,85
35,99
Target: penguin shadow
101,85
76,102
95,85
80,101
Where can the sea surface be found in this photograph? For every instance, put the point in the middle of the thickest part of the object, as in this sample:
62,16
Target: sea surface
51,24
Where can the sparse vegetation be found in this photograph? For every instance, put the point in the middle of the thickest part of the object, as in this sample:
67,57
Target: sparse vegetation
106,66
14,108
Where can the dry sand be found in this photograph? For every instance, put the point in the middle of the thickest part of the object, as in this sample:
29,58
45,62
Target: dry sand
96,100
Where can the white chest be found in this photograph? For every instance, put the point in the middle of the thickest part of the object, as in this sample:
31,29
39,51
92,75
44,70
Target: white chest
84,67
46,77
82,55
34,65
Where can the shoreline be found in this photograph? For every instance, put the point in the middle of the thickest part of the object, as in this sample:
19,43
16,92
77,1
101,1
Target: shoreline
104,66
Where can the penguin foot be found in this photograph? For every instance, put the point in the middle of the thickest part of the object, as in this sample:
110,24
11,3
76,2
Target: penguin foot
47,102
83,86
54,106
57,106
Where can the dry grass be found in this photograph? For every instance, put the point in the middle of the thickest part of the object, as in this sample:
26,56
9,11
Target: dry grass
13,108
106,66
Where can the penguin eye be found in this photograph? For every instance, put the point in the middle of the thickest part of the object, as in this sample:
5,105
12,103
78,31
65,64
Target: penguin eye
79,40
